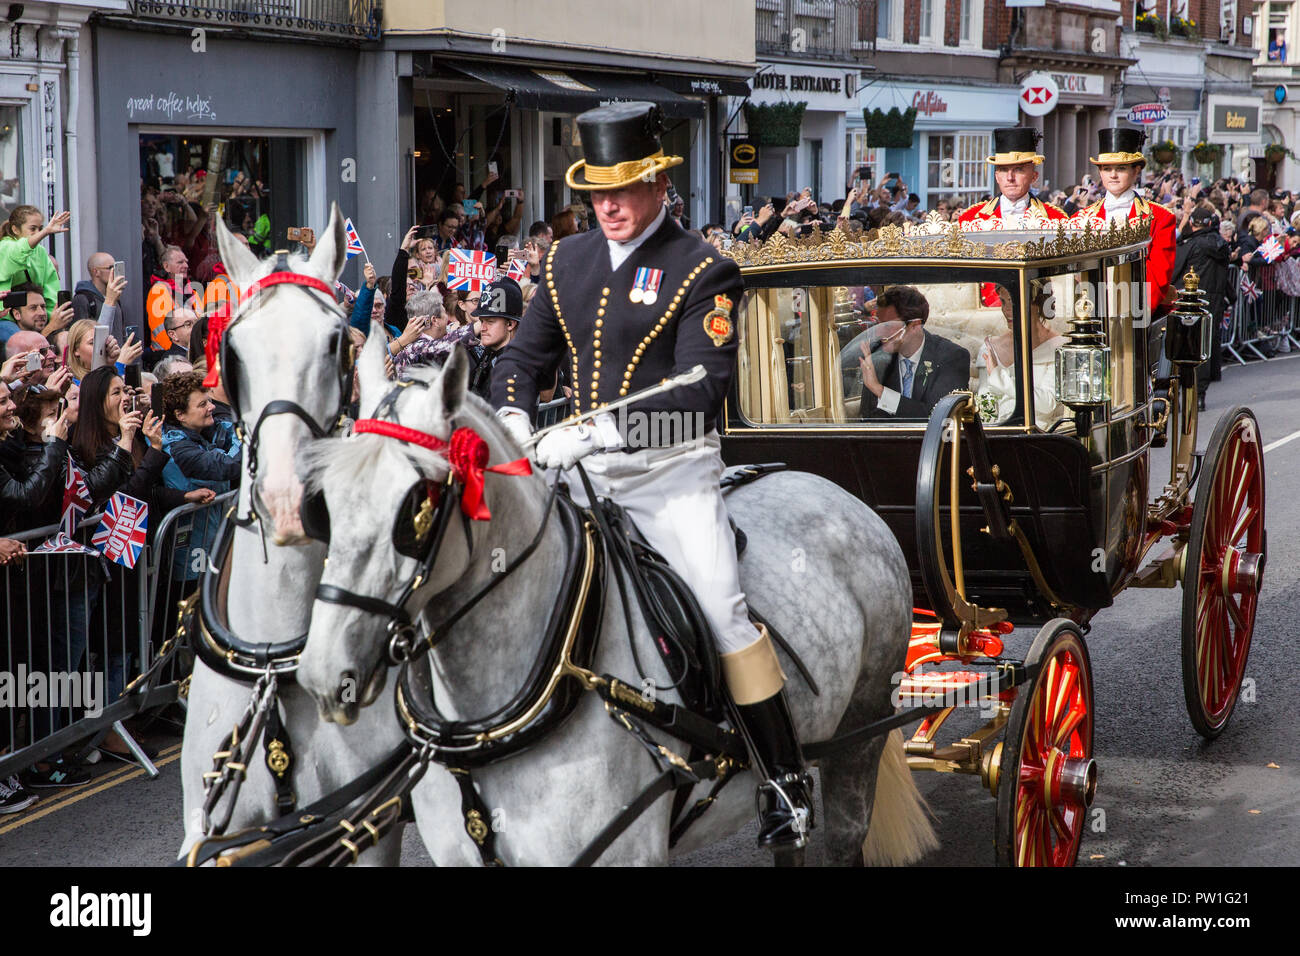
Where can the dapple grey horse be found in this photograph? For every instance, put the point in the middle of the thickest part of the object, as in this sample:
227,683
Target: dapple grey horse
820,566
287,346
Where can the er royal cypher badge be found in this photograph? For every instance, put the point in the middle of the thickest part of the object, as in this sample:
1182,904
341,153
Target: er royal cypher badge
718,322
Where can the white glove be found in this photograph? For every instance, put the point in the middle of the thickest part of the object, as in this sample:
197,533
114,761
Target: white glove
516,422
564,447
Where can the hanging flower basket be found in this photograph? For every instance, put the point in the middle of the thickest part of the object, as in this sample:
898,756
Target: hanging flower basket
892,130
1207,153
775,124
1166,153
1276,152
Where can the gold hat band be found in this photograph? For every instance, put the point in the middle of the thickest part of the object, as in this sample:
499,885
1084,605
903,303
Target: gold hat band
1118,159
603,175
1011,159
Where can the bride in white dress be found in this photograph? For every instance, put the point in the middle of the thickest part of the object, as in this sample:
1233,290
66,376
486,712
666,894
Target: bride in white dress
996,397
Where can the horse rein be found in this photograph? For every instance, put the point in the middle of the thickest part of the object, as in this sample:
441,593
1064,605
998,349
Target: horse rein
281,275
467,455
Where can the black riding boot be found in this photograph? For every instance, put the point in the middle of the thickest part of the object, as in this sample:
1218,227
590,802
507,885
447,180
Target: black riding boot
785,798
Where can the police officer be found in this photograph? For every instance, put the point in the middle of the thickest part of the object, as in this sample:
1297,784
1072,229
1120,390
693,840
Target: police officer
624,307
498,314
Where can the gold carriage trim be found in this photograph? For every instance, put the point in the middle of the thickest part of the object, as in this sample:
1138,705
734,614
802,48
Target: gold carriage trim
1118,159
1011,159
936,238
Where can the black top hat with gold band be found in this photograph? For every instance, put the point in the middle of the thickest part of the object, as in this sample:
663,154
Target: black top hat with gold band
1118,146
1015,144
621,145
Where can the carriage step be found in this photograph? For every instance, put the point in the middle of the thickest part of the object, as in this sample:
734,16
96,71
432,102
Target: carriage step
949,688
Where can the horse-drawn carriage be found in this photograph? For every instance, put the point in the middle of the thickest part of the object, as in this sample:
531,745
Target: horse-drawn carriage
1022,499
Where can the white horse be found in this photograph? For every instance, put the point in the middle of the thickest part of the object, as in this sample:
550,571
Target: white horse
846,613
288,347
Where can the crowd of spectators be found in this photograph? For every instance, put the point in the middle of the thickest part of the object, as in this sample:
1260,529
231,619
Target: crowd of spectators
76,387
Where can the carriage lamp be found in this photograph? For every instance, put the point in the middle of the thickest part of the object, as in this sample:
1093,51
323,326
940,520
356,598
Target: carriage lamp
1083,367
1188,333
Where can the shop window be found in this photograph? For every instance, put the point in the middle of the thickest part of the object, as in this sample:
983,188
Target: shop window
457,141
957,169
256,184
11,158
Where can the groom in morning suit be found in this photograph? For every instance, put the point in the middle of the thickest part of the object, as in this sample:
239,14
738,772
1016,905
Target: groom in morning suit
915,369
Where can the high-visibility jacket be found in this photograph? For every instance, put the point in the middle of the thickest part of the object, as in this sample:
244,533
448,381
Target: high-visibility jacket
160,303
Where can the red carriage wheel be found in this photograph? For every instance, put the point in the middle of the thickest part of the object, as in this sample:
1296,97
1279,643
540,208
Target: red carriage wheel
1223,570
1046,776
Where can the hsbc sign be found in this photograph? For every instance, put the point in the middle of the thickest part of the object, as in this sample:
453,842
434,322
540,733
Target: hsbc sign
1039,94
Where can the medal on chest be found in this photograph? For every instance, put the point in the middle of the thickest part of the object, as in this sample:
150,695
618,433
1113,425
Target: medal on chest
645,287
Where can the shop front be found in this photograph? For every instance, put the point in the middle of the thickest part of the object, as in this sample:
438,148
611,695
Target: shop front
205,136
504,135
1236,124
1181,126
811,157
952,138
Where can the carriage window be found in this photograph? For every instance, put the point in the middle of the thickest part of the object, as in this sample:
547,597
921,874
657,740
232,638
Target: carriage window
804,353
1125,307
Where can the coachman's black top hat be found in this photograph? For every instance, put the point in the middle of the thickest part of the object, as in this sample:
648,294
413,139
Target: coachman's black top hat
620,143
1015,144
1117,146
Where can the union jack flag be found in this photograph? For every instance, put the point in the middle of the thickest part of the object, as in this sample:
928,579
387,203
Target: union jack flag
1249,291
76,497
468,270
516,269
60,543
1272,250
355,248
121,533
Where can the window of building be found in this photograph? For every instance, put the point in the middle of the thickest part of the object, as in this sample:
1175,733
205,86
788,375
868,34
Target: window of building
862,159
889,19
956,169
11,159
927,20
1279,20
971,23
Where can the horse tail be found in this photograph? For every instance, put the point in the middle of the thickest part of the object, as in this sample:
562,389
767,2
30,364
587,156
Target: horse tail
900,831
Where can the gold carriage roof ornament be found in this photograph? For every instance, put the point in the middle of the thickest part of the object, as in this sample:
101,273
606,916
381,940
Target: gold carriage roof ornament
937,238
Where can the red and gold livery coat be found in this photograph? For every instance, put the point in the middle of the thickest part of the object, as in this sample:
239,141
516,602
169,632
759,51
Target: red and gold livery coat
1160,257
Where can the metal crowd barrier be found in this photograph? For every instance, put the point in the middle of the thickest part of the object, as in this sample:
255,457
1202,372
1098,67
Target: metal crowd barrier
550,413
1255,325
80,629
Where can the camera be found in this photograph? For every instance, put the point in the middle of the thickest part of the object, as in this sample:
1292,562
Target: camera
33,361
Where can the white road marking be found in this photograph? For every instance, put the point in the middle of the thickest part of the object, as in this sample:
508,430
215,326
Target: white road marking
1281,441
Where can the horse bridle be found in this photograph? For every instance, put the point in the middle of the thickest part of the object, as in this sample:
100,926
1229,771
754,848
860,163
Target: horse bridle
282,275
467,455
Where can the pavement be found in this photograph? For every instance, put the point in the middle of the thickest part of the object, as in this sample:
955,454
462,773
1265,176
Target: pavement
1166,798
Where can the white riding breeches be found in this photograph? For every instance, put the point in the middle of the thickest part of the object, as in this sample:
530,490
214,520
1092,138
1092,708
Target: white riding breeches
673,496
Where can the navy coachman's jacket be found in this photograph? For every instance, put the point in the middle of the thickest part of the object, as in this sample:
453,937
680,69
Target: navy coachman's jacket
582,315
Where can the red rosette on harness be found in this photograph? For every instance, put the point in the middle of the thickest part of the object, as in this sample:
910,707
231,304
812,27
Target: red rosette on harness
467,455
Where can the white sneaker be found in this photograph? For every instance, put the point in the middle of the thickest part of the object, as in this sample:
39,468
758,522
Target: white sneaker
14,797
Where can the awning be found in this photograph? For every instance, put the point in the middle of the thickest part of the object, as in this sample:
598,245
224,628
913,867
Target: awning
572,91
